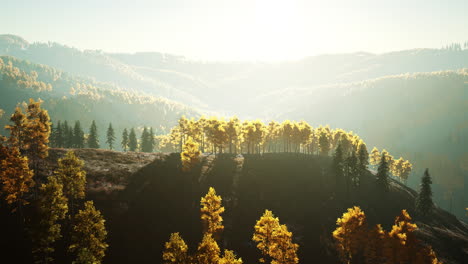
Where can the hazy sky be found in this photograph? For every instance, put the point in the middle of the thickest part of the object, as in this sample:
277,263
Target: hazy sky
239,29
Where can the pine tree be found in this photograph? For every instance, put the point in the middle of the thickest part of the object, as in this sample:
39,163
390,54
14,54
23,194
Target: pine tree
373,248
17,129
382,174
229,258
208,250
352,170
338,165
132,141
424,204
93,138
110,136
363,158
78,136
151,140
56,138
375,157
88,236
71,175
52,208
190,155
124,142
211,210
145,142
67,135
37,132
175,251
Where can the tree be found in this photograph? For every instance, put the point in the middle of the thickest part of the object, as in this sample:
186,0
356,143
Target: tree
71,175
424,204
78,136
208,250
363,158
338,165
132,141
17,129
144,140
67,135
373,249
382,174
190,154
175,251
15,175
124,142
57,136
211,210
52,208
229,258
110,136
351,235
93,138
274,240
375,157
151,140
88,235
352,170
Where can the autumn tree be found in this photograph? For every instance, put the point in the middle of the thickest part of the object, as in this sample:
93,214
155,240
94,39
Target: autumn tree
110,136
132,140
17,129
71,175
208,250
229,258
351,235
373,248
88,235
52,208
175,251
382,174
375,157
190,155
211,210
424,203
93,138
274,240
125,141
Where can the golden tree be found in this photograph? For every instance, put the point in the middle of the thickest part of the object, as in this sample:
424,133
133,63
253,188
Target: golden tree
211,210
17,129
190,154
229,258
88,236
374,157
373,248
350,235
52,207
15,175
208,250
70,173
175,251
37,131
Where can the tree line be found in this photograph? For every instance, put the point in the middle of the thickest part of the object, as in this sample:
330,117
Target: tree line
55,200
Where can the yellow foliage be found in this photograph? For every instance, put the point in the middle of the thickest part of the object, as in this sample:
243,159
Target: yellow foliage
208,250
175,251
190,155
229,258
211,210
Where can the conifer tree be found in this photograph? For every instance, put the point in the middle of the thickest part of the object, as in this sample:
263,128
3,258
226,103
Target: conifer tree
88,236
110,136
363,158
124,142
132,141
151,140
229,258
375,157
382,174
71,175
37,132
208,250
52,208
352,170
338,165
93,138
211,210
15,175
67,135
373,248
424,204
57,135
17,129
78,136
175,251
190,155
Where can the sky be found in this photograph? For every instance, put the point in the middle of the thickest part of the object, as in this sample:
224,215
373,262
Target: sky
239,29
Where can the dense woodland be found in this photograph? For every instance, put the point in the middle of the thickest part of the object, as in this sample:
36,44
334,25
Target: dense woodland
44,206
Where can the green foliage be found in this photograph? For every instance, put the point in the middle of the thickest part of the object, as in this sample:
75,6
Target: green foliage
132,140
110,135
424,204
125,141
93,137
78,139
382,174
71,175
88,236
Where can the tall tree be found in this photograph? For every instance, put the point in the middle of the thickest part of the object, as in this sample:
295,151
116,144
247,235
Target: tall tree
211,210
17,129
151,140
110,136
132,140
375,157
71,175
338,165
57,135
175,251
382,174
208,250
190,154
424,203
78,136
52,208
93,138
88,236
124,142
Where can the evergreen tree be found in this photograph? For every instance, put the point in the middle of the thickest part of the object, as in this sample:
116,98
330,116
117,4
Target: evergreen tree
144,142
132,140
352,170
110,136
88,236
78,136
59,136
382,174
208,250
363,158
93,138
338,165
124,142
67,135
71,175
211,210
424,204
151,140
52,208
175,251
